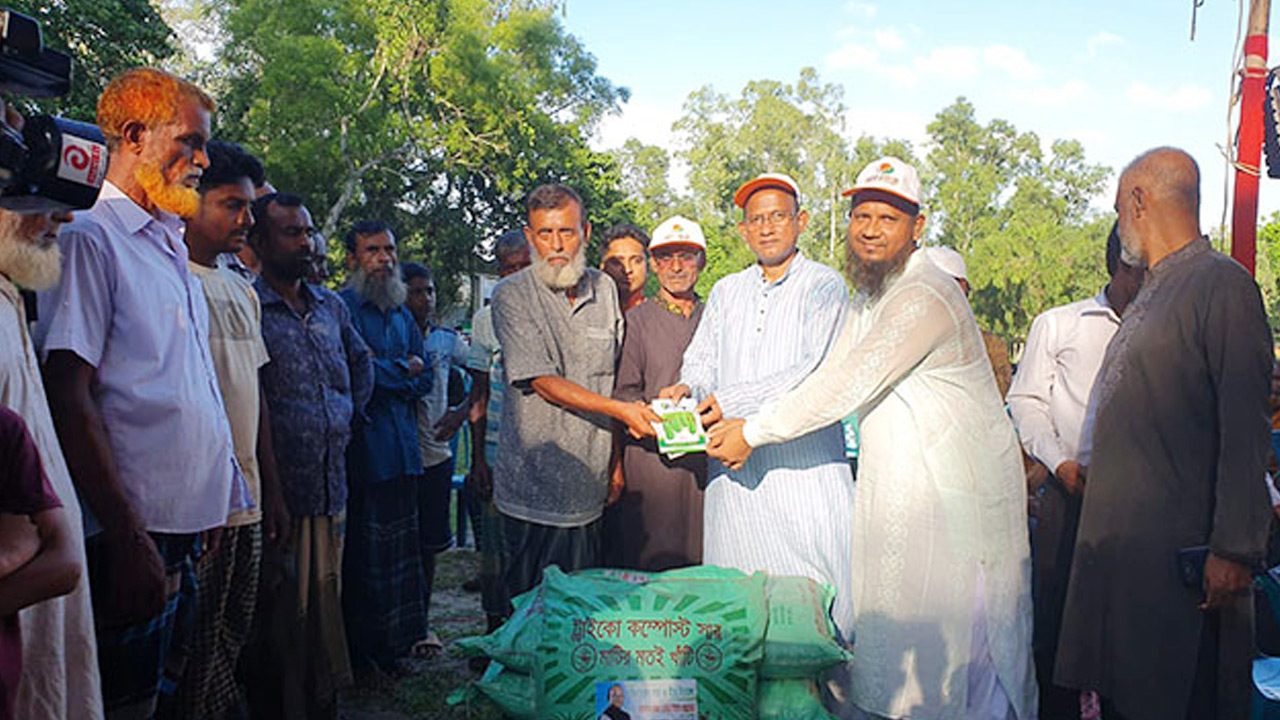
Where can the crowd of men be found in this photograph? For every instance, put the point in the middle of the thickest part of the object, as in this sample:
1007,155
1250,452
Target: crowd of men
223,485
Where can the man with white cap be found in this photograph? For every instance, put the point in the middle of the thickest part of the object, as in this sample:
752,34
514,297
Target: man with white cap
952,263
787,511
940,570
656,524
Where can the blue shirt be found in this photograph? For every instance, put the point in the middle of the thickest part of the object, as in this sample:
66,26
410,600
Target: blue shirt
320,376
386,443
129,306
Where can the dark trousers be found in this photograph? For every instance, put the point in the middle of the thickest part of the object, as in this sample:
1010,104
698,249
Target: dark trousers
1053,541
529,548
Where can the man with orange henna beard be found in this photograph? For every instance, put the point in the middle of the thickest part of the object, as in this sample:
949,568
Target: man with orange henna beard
133,390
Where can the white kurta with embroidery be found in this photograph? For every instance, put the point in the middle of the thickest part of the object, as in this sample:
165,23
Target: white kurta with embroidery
940,534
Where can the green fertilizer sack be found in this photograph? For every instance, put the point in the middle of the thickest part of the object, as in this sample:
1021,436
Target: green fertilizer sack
801,640
790,700
515,644
682,646
515,694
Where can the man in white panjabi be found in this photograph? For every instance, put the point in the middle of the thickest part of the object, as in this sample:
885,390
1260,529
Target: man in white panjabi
940,569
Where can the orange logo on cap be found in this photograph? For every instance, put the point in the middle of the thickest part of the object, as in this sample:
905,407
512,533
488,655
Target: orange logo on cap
886,167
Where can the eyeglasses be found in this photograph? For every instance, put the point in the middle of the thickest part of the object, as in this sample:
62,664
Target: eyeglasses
777,217
686,257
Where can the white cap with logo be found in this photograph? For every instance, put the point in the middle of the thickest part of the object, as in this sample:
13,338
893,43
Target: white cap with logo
677,230
889,175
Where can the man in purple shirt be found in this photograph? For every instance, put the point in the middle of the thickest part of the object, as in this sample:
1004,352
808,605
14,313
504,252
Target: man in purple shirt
132,385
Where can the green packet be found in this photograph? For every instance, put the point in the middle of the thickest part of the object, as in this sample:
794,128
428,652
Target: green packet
680,431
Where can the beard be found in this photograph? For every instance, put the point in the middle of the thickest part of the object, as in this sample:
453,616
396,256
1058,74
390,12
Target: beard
177,199
28,262
564,276
871,276
385,291
1131,253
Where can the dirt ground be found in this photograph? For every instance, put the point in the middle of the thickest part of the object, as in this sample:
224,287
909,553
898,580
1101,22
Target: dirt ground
455,613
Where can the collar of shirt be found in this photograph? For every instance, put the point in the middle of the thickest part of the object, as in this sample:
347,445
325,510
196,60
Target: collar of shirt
797,259
676,309
132,218
1102,306
267,295
584,291
1181,255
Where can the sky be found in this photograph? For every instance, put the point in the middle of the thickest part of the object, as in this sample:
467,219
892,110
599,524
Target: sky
1119,76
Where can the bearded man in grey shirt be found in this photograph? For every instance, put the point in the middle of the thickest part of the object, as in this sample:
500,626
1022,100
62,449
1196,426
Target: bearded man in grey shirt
560,329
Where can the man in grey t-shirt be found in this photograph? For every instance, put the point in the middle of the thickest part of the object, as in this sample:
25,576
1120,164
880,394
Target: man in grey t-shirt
560,330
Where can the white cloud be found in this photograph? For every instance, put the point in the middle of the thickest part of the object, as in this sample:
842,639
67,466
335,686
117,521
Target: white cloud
853,55
886,124
1181,99
1012,60
863,10
651,124
1050,96
949,62
1101,40
889,39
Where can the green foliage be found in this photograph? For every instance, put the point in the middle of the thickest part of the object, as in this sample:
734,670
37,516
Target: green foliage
1019,212
1268,268
436,115
773,127
104,38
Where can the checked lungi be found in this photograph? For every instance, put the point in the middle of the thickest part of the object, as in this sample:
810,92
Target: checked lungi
383,586
227,592
141,664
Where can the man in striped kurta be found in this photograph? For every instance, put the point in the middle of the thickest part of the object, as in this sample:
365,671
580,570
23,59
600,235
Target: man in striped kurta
789,509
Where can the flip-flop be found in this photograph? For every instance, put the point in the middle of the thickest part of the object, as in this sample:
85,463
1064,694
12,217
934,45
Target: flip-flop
427,647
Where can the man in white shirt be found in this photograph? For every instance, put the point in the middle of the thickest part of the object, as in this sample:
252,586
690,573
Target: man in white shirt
940,573
1048,400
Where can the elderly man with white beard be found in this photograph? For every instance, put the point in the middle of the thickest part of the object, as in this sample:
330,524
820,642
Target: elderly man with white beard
560,330
384,590
940,574
60,657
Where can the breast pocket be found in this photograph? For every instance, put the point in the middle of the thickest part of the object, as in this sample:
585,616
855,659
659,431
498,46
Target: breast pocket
232,321
599,348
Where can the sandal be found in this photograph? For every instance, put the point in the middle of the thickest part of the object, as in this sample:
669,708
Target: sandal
427,647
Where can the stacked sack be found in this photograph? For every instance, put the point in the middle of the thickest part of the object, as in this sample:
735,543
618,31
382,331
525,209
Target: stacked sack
702,642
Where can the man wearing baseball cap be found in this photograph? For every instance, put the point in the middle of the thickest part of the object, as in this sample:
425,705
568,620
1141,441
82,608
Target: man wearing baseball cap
789,510
940,571
657,522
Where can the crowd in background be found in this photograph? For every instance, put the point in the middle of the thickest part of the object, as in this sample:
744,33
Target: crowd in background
223,486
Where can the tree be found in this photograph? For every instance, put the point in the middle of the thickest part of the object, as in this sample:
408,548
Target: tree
104,38
436,114
773,127
1020,215
645,171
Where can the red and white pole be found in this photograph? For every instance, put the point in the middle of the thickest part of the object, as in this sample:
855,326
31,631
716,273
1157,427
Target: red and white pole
1244,217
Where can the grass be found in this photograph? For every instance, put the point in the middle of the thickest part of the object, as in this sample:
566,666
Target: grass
455,613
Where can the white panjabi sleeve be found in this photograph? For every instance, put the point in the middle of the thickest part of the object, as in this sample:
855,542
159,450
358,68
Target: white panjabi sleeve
1029,396
908,324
